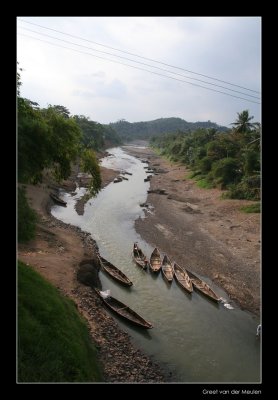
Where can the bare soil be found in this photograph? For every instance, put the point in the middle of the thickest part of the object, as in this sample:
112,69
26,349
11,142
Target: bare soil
203,232
56,253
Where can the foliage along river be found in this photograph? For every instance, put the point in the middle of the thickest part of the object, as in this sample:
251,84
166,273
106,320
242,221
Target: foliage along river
193,338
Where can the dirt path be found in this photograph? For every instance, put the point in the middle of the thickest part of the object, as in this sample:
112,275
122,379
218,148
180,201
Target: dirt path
199,230
56,253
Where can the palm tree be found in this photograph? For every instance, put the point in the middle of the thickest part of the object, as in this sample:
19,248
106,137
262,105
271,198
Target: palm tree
243,123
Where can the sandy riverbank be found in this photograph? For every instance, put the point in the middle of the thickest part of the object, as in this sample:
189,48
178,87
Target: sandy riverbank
56,253
203,232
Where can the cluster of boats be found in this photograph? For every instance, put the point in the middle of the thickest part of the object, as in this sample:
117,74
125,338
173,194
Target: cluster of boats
185,278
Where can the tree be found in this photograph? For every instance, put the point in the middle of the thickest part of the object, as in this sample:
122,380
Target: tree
61,110
33,155
90,164
64,138
243,124
18,81
46,139
93,132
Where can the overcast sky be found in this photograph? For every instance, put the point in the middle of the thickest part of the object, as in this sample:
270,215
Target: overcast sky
225,48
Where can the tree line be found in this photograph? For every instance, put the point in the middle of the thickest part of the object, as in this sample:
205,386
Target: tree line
229,160
145,129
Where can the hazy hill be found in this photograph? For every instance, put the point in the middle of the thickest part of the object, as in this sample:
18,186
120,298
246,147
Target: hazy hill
144,130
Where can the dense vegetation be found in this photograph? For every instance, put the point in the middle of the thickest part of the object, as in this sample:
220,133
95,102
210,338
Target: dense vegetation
95,135
50,138
53,341
26,218
229,160
46,139
144,130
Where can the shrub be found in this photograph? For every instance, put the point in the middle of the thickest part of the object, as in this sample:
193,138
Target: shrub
226,171
205,164
247,189
26,218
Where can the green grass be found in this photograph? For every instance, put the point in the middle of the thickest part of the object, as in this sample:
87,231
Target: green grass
253,208
53,341
204,184
193,174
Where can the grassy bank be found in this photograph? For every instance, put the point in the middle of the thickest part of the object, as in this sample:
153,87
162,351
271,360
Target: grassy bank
252,208
53,341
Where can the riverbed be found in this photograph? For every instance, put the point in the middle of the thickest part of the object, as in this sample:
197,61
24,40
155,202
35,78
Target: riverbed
193,338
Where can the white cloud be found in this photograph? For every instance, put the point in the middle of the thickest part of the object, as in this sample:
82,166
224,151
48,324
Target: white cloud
227,48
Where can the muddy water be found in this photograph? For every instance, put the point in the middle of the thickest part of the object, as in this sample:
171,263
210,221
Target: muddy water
195,339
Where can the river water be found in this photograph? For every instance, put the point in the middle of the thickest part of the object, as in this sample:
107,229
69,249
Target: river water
193,338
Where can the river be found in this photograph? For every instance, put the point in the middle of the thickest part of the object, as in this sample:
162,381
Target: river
193,338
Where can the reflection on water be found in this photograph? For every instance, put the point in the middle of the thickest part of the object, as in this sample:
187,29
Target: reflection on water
197,339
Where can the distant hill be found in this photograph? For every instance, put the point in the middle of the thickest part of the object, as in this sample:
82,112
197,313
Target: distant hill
144,130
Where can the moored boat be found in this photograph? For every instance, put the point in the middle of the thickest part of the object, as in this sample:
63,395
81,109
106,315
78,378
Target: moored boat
183,278
57,199
203,287
114,272
139,257
124,311
167,268
155,260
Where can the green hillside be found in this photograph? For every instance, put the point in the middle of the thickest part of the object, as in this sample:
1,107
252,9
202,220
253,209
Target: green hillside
144,130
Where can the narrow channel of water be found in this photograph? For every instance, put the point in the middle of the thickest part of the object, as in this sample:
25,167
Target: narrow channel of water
195,339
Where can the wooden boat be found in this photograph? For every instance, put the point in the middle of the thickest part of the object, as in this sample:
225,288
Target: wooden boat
57,199
203,287
155,260
118,179
114,272
124,311
139,257
183,278
167,268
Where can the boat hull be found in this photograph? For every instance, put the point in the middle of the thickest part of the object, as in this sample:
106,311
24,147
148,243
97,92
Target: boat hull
125,312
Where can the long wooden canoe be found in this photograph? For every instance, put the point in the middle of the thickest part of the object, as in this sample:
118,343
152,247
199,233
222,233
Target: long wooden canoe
57,199
183,278
203,287
155,260
167,268
139,257
124,311
114,272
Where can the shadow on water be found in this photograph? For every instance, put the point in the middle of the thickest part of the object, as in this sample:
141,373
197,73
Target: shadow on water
167,283
206,298
144,271
132,327
154,275
186,294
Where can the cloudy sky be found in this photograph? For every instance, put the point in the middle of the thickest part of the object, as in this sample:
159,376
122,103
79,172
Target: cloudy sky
62,68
